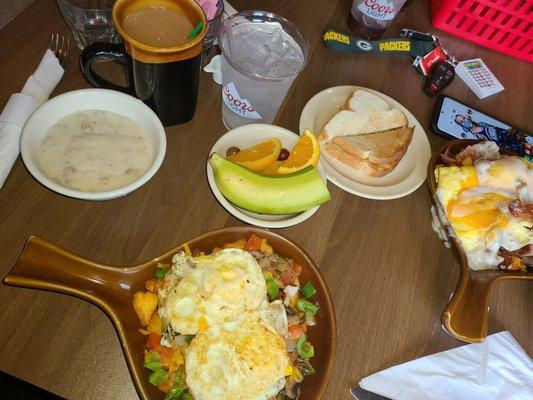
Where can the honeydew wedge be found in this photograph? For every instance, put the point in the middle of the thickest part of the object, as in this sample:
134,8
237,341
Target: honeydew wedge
268,194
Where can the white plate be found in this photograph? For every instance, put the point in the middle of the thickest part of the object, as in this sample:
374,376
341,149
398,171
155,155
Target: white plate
246,136
91,99
404,179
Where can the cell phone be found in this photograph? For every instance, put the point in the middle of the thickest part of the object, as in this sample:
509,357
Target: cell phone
455,120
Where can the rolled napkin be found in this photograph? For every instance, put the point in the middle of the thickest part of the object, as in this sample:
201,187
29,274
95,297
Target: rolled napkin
493,370
21,105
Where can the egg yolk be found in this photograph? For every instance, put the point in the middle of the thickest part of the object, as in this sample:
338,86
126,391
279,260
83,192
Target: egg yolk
202,323
481,212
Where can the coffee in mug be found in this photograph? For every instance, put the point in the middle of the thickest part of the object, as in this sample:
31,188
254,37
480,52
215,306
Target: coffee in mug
158,26
161,55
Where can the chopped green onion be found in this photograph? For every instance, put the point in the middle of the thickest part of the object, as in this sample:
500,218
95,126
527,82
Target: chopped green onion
272,288
307,368
152,361
179,380
306,306
308,290
175,393
158,377
304,348
189,338
186,396
160,273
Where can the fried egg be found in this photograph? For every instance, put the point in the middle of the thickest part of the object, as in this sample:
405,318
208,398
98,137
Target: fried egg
199,292
245,359
476,199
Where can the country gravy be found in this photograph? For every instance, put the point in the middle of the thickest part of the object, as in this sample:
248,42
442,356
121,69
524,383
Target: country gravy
95,151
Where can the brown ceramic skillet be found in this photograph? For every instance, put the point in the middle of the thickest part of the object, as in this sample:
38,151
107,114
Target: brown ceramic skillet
44,265
466,315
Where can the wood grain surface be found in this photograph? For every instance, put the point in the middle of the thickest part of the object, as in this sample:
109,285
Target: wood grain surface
389,274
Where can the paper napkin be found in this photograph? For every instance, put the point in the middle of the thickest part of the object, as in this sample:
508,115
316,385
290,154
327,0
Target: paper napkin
493,370
21,105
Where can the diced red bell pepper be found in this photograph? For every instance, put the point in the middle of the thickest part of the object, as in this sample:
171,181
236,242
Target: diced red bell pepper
167,356
296,331
154,342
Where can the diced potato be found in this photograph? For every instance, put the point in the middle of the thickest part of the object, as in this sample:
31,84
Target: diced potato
238,244
155,324
144,304
254,243
266,249
151,285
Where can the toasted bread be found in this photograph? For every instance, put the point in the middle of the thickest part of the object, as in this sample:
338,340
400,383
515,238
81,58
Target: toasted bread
368,135
364,100
362,122
365,166
380,147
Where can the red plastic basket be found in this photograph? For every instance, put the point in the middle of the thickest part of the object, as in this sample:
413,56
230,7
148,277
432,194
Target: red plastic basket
502,25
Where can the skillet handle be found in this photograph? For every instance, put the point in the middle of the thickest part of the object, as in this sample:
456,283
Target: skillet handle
466,315
43,265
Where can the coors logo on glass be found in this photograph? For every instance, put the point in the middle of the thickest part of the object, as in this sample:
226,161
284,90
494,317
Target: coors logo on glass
370,18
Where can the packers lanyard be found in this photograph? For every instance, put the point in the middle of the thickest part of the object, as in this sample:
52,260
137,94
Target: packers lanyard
427,55
341,42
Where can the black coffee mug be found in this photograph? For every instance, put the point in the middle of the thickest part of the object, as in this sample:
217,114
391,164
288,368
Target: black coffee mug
166,79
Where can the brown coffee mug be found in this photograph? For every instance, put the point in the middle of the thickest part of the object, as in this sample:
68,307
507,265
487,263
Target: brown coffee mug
166,79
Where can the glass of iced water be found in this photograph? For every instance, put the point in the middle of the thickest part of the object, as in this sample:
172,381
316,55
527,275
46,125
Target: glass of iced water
89,20
262,53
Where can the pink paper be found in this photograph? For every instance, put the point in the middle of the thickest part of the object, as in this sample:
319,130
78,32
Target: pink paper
210,8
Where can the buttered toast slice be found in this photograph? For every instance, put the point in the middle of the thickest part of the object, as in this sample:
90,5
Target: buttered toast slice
364,100
380,147
365,166
363,113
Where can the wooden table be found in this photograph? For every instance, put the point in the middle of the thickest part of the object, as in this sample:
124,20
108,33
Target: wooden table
389,274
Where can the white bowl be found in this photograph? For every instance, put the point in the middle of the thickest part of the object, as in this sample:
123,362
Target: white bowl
91,99
245,136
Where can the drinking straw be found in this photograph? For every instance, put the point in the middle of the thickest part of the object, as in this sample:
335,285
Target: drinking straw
196,30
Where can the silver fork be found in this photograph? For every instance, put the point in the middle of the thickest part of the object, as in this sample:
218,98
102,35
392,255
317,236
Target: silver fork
60,45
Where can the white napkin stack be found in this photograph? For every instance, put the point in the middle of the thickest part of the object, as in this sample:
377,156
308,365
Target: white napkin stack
493,370
21,105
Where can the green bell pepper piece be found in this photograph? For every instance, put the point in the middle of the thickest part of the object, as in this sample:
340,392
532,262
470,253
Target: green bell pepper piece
158,377
152,361
272,288
306,306
308,290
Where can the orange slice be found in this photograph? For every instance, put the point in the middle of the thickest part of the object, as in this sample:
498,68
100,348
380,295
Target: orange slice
272,169
305,153
258,157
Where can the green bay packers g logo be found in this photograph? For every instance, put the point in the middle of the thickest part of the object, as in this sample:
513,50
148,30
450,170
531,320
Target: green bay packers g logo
364,45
